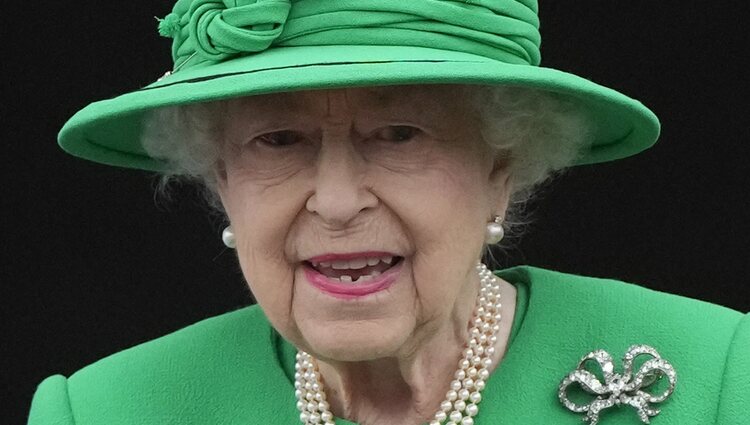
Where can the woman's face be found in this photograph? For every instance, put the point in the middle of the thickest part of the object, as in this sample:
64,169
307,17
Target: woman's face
359,213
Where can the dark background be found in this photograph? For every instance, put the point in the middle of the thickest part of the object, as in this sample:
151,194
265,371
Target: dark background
91,264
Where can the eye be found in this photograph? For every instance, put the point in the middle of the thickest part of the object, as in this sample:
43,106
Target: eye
397,133
279,139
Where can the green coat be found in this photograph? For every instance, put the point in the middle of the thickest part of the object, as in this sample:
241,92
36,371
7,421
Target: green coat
235,369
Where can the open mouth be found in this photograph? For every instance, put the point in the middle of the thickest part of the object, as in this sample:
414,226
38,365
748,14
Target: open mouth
358,270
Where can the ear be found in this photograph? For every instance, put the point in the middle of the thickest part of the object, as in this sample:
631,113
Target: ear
501,186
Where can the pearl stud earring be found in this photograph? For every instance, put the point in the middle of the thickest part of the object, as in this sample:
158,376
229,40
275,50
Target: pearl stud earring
228,237
494,232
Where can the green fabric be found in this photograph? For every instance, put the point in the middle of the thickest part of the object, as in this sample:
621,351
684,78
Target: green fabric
734,407
234,369
231,48
506,30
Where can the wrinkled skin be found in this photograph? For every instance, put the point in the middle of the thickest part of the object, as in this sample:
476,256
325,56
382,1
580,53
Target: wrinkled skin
396,169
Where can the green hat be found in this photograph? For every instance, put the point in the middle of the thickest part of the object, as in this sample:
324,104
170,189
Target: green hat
230,48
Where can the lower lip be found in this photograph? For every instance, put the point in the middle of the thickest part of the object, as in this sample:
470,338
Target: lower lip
352,290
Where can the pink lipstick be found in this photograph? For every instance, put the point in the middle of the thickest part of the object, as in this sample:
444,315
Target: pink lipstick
348,290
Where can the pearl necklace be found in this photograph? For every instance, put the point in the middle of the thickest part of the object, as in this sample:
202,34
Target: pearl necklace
461,401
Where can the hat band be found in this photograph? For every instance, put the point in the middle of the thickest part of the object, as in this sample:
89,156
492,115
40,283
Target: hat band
209,30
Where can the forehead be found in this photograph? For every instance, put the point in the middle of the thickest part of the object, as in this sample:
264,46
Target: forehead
437,99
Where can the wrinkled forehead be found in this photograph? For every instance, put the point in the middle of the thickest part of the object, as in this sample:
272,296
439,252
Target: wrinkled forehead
431,101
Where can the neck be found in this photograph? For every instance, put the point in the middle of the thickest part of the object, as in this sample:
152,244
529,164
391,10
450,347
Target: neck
408,388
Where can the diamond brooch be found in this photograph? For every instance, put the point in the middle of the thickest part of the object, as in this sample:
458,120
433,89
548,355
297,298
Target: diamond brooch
619,389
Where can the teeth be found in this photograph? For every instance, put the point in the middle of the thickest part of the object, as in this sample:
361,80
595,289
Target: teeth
340,265
356,264
359,263
348,279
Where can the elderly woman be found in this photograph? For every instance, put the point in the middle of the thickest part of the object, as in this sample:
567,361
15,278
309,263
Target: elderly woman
366,155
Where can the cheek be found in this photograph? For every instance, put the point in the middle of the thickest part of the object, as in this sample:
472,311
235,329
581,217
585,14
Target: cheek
444,207
445,202
261,216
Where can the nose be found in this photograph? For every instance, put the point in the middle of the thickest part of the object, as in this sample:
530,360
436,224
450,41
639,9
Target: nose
340,193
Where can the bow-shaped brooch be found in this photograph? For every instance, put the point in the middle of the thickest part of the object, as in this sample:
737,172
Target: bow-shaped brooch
619,389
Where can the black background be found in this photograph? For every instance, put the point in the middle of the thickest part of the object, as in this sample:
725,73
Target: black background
91,264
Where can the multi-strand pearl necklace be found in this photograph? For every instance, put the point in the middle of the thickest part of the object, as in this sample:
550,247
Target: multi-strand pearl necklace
461,401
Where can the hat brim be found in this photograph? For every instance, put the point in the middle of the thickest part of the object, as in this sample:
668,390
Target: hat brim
109,131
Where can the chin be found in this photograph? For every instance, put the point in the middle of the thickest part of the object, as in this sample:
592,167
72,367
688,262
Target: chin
357,341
